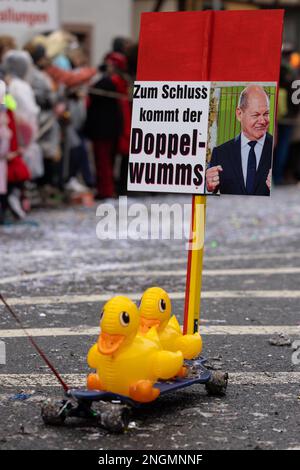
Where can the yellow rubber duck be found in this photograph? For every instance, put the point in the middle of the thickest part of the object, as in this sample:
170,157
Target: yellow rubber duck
155,311
127,363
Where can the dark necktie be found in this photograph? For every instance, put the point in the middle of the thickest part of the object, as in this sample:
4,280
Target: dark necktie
251,168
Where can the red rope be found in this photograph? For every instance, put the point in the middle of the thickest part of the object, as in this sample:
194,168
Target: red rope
34,344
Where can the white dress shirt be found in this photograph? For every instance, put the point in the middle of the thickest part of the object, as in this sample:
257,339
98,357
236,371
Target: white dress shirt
245,149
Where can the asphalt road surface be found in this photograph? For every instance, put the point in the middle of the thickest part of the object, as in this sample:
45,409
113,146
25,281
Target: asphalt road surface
57,274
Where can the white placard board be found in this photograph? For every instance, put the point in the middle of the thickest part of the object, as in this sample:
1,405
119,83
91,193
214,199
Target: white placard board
25,15
169,137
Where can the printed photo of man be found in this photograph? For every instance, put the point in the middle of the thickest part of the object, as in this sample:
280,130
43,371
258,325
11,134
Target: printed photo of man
243,165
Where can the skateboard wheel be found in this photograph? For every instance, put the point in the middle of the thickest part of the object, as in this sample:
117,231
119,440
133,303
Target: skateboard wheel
114,418
53,412
217,384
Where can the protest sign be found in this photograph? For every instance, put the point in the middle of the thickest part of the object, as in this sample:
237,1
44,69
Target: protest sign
215,46
193,137
169,137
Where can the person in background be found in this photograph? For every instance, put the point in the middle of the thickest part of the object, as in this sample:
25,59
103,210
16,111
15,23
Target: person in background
132,57
121,45
287,116
129,49
16,170
7,43
60,76
104,127
58,44
76,155
122,82
46,97
63,112
77,108
17,65
4,148
293,164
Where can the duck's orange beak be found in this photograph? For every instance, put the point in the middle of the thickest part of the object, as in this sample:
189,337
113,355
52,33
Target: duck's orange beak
147,323
109,344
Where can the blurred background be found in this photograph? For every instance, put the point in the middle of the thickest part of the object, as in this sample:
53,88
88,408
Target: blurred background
69,67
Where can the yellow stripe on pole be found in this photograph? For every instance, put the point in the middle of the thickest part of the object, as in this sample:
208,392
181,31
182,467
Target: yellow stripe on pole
194,285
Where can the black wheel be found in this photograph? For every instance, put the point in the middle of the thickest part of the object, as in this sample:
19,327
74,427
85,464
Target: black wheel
116,420
217,384
113,417
54,412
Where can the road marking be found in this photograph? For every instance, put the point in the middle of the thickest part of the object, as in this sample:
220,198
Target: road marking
228,294
174,273
46,253
24,381
211,330
264,255
120,251
251,271
264,378
94,273
105,268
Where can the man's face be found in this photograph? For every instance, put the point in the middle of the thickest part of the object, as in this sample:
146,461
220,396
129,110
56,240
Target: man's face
255,118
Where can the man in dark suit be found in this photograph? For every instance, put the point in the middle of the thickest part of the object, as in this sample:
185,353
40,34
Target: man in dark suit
243,164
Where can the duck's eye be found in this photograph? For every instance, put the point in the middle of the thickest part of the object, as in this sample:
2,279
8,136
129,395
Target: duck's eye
124,318
101,316
162,305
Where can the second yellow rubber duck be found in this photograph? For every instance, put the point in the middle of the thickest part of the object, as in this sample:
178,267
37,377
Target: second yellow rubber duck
155,311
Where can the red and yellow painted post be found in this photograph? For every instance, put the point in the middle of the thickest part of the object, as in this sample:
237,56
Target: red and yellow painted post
195,266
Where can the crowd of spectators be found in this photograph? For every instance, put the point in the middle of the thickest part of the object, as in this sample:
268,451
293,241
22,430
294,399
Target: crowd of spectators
64,126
